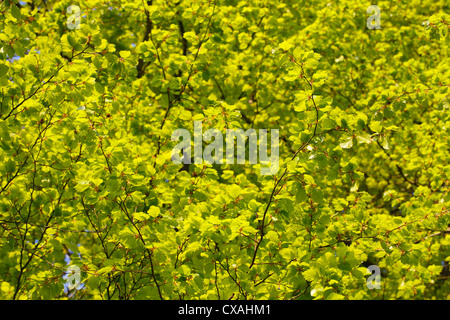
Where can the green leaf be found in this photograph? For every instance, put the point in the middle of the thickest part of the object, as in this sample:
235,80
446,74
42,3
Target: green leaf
82,185
154,211
5,287
347,142
328,123
286,45
15,12
99,88
72,41
3,70
363,137
317,195
140,216
299,191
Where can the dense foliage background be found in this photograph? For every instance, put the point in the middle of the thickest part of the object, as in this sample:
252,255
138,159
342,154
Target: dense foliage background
86,177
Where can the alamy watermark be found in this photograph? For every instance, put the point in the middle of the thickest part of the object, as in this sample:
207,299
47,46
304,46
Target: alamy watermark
74,20
73,277
373,282
374,21
216,147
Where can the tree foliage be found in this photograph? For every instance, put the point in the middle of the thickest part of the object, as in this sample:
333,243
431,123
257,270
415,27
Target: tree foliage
86,177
